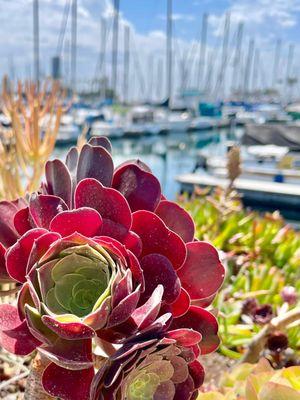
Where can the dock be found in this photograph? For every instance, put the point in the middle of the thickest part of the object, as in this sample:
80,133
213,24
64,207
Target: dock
262,195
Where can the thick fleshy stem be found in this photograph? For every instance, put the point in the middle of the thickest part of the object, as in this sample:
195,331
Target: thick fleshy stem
34,389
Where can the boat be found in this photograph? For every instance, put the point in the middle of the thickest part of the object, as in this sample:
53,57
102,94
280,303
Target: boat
111,129
68,132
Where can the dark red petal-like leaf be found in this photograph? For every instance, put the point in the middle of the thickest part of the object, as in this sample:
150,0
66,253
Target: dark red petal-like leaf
202,273
111,205
97,319
68,330
157,238
197,373
71,354
147,313
8,233
72,160
66,384
24,297
121,288
14,333
101,141
3,272
124,309
182,304
59,180
95,162
140,188
202,321
185,337
133,243
184,389
158,269
43,208
18,255
176,219
84,220
23,221
40,247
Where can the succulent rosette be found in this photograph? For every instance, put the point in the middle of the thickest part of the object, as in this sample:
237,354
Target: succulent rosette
101,258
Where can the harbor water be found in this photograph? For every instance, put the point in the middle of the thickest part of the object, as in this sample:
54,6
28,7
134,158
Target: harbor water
167,155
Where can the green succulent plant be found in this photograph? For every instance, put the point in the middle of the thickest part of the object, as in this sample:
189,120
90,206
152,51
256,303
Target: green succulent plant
257,382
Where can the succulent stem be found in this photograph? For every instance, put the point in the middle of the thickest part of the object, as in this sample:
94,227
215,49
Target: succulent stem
34,389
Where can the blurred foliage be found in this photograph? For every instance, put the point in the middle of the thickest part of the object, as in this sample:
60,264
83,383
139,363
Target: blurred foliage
257,382
27,142
262,255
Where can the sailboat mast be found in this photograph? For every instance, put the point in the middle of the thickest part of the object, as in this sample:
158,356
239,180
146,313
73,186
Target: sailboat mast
276,62
248,67
224,58
237,59
74,46
103,58
202,55
169,69
36,42
126,62
115,42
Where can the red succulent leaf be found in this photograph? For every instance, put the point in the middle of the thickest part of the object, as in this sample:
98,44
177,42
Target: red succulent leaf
157,269
71,354
124,309
72,160
184,389
181,304
40,247
23,221
3,272
43,208
66,384
147,313
140,187
83,220
202,273
98,319
176,219
136,270
95,162
111,205
24,297
121,288
101,141
185,337
197,373
68,330
157,238
204,302
17,256
133,243
202,321
8,233
59,180
15,336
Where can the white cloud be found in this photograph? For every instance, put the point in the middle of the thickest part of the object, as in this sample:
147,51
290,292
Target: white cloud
178,17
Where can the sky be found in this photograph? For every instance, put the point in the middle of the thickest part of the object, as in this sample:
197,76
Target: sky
265,21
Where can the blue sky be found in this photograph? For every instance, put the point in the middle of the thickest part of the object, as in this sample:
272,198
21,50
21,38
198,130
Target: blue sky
264,20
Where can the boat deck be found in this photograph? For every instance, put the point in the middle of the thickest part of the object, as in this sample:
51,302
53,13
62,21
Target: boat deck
257,194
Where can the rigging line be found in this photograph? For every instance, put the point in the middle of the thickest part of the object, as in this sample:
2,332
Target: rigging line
63,27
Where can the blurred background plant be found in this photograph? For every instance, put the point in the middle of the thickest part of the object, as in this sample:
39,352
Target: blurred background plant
257,382
262,255
34,115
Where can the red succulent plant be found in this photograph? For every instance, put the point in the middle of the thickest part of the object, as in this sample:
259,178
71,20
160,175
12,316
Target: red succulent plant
103,259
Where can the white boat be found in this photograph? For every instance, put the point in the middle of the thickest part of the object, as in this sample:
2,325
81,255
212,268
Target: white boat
202,123
68,132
